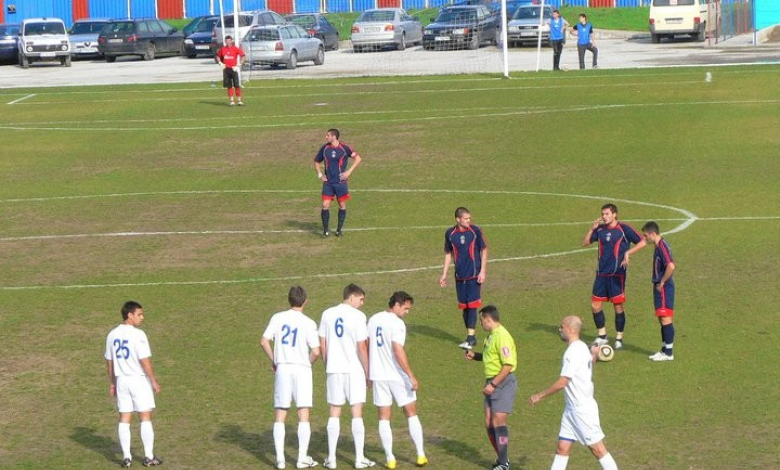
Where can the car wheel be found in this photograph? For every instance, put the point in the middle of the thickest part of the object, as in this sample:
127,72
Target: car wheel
357,49
701,35
192,56
150,51
655,38
320,59
110,58
335,44
66,61
402,44
24,61
292,61
474,43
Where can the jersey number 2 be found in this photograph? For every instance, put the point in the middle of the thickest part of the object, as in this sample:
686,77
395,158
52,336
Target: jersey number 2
286,334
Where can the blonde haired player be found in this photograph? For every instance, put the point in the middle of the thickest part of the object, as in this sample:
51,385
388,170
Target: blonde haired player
392,375
295,349
131,379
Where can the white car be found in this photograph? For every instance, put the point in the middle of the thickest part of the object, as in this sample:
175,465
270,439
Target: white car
524,26
381,27
282,45
43,39
246,21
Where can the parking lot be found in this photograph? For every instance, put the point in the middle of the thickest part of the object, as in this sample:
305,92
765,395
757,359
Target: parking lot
617,50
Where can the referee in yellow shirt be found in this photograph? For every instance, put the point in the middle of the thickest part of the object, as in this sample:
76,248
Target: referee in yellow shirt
499,355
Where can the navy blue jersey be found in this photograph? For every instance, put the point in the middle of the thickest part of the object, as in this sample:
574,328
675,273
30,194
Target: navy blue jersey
662,256
583,33
335,159
613,244
466,248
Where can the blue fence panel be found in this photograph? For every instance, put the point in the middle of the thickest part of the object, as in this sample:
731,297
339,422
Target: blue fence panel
227,6
307,6
107,9
438,3
247,5
142,9
577,3
362,5
198,8
413,4
63,9
335,6
767,13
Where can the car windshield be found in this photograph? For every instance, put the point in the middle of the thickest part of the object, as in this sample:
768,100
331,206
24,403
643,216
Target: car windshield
243,20
206,25
120,27
32,29
268,34
531,13
303,20
9,30
672,3
457,16
90,27
369,16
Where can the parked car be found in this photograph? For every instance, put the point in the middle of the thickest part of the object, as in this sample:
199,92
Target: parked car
691,17
381,27
9,35
524,26
84,37
147,38
511,6
319,27
43,39
199,41
246,20
461,26
193,25
282,45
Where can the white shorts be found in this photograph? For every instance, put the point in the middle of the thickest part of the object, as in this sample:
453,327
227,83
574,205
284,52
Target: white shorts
293,383
581,425
344,388
134,394
385,391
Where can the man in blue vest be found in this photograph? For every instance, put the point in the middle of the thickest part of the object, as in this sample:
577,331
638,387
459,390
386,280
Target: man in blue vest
584,32
558,27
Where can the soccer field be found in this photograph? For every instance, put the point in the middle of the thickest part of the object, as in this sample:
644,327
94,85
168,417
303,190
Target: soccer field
207,214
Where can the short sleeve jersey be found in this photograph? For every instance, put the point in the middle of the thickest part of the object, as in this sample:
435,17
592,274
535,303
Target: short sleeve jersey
343,327
294,335
661,259
230,55
613,244
384,329
578,368
583,33
499,351
556,28
126,346
335,159
466,247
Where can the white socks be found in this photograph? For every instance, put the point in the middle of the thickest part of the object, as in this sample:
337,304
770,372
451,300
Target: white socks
123,430
416,431
560,462
608,463
304,435
279,441
386,436
359,435
333,428
147,437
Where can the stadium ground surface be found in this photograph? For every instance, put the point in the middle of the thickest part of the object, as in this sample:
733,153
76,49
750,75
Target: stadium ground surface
207,214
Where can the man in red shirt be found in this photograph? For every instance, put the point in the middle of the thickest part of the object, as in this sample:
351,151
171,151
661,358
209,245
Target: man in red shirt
230,58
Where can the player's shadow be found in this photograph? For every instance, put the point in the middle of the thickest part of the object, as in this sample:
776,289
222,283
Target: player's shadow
553,329
313,227
434,333
466,452
261,446
89,439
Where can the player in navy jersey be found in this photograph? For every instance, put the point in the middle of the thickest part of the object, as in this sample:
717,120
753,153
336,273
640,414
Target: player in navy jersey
332,164
663,289
466,245
615,239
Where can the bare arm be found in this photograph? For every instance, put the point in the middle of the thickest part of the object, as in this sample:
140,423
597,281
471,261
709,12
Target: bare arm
491,386
586,241
667,274
557,386
324,349
146,364
362,350
631,251
265,343
447,262
483,270
318,167
314,354
111,378
345,176
403,362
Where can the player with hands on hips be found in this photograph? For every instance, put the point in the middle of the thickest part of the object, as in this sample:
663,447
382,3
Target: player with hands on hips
332,165
230,58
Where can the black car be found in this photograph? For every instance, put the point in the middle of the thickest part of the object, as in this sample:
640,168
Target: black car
461,26
9,35
147,38
199,41
318,26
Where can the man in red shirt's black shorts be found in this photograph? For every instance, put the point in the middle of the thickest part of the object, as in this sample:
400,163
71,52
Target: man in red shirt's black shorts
230,58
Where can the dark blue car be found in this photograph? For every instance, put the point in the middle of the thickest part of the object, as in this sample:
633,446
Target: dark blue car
9,35
199,41
317,26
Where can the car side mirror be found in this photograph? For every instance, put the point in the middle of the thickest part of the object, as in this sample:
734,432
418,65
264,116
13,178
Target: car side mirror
174,30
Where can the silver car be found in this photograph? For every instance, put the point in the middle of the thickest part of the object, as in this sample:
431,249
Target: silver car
381,27
282,45
524,26
84,37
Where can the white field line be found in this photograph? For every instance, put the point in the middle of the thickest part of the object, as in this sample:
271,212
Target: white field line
21,99
447,117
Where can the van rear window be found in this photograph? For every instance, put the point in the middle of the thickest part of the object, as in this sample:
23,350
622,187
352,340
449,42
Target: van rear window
673,3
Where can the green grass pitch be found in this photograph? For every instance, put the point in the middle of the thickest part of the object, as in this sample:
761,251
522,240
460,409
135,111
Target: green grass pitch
207,214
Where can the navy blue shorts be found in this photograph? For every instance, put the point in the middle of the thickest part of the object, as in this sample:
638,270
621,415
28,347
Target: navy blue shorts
664,300
338,191
610,288
469,294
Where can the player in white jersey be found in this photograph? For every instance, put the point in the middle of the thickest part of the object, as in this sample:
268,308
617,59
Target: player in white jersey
392,375
131,379
296,347
580,420
344,344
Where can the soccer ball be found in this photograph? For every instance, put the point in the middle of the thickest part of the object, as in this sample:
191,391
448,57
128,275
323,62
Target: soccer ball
606,353
565,67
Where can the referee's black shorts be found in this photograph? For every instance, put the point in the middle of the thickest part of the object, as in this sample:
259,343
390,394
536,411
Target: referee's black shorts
230,78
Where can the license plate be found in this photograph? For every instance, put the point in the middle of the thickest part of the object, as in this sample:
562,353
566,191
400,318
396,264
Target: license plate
48,54
442,38
115,40
674,21
528,33
374,29
202,48
88,50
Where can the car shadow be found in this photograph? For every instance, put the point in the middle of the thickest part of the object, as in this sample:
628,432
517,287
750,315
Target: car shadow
98,443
